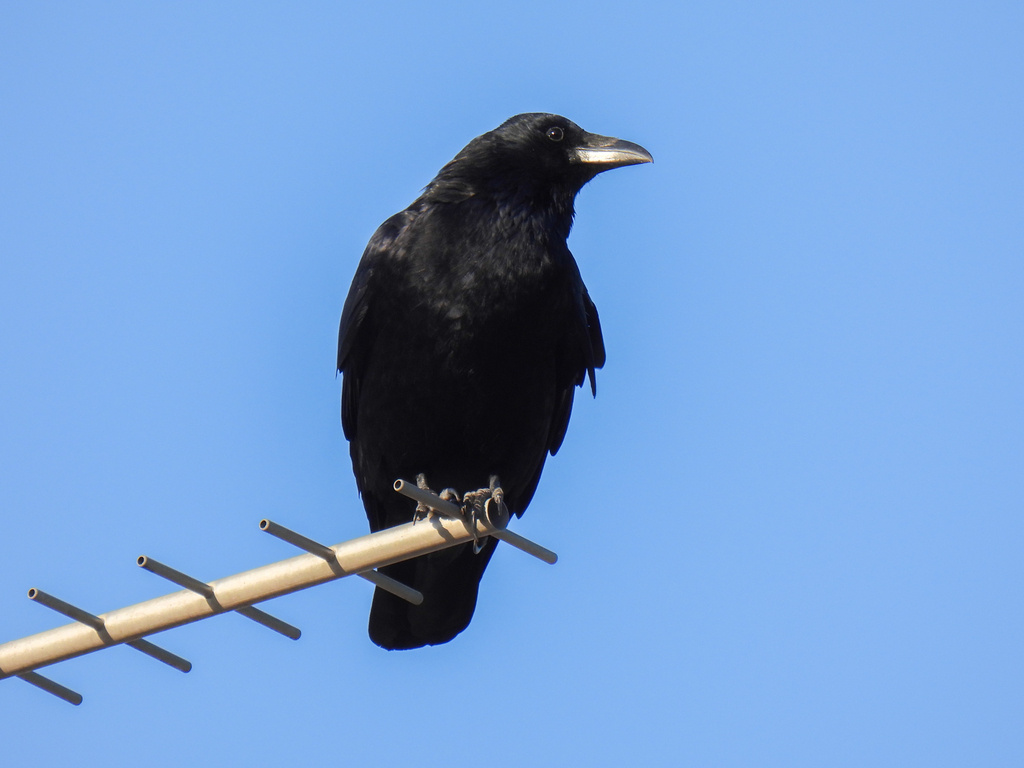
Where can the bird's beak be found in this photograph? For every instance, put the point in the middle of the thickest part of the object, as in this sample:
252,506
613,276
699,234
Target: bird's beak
604,152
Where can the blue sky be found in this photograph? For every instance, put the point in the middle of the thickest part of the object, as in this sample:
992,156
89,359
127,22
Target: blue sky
790,524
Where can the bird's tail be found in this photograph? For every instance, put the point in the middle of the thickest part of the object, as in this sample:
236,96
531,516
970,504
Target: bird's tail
448,579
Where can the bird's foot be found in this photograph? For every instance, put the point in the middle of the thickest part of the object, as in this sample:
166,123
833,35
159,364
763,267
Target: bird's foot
423,512
487,504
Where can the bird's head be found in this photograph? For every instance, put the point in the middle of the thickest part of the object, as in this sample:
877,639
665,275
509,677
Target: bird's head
542,153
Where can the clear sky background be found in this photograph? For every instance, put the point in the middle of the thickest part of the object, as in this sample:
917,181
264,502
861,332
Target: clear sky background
790,525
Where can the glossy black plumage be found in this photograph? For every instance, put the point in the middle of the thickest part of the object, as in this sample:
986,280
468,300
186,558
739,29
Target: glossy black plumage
463,337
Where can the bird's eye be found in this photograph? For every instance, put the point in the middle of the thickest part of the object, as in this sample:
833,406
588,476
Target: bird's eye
555,133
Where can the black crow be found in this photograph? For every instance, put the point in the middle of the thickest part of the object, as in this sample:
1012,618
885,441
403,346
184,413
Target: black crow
464,334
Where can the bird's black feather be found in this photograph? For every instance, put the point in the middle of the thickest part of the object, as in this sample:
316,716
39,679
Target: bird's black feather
464,334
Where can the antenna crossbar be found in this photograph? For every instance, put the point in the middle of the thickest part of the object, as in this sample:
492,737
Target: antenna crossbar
200,600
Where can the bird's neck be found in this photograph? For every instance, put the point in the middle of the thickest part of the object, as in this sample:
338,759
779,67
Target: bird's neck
547,210
512,196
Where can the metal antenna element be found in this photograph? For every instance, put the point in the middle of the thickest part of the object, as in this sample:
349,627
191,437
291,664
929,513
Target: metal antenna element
49,686
204,589
199,600
84,617
395,587
454,511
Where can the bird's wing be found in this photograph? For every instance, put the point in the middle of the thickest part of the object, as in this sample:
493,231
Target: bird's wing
354,332
595,341
582,353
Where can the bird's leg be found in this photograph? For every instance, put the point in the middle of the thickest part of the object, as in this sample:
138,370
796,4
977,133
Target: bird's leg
485,503
495,507
422,510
